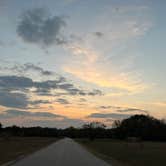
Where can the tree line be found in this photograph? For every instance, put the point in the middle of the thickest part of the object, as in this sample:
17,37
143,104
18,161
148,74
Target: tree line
143,127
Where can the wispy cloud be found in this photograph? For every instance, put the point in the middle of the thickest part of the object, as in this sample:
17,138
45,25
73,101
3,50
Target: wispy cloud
100,61
120,109
87,67
23,69
62,101
31,66
109,115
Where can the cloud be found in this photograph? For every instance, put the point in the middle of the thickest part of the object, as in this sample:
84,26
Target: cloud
43,92
62,101
105,107
36,102
22,69
14,113
61,84
19,82
98,34
110,63
72,90
122,109
44,119
30,66
109,115
132,110
15,82
17,113
58,123
47,114
95,92
118,112
12,88
82,100
15,100
38,27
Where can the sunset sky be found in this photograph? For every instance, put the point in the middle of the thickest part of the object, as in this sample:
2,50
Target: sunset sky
67,62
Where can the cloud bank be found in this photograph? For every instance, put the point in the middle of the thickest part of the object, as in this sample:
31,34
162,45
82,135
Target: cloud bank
44,119
15,90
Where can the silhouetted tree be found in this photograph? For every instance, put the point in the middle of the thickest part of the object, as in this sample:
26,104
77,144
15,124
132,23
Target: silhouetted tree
0,127
116,124
93,130
142,126
138,126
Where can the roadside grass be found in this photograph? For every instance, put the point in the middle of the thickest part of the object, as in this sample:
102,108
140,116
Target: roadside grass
15,147
121,153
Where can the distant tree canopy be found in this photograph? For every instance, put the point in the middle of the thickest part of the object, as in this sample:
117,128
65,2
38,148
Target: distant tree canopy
143,126
94,125
140,126
0,126
94,130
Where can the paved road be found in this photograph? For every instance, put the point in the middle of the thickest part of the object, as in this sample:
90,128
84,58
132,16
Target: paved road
65,152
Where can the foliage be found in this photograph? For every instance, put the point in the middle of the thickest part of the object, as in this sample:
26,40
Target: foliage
142,127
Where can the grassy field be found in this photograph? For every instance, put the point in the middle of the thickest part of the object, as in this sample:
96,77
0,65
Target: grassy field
15,147
120,153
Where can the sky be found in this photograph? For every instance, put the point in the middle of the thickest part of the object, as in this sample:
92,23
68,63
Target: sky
68,62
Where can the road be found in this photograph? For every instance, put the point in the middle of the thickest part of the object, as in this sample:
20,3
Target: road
65,152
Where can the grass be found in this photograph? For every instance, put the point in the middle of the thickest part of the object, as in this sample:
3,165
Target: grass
120,153
15,147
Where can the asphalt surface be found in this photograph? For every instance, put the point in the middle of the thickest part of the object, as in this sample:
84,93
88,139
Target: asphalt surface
65,152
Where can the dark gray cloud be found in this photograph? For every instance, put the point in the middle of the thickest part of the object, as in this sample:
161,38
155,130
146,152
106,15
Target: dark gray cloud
43,92
36,102
15,113
21,69
109,107
15,100
109,115
9,82
98,34
47,114
37,26
15,82
95,92
24,82
29,66
62,101
105,107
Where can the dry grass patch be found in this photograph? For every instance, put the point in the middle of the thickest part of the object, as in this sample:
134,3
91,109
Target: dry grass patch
132,154
14,147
